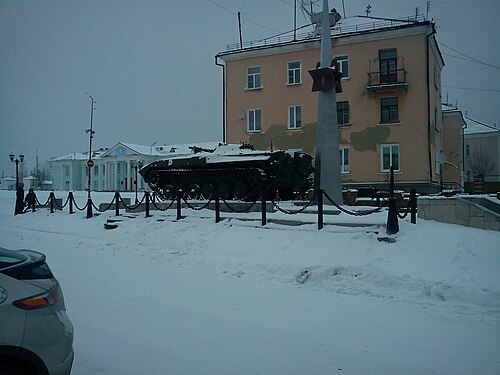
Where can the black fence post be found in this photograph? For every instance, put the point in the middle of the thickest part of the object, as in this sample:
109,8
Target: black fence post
263,207
147,203
52,199
320,209
179,213
33,202
413,206
217,206
392,226
70,197
117,203
89,208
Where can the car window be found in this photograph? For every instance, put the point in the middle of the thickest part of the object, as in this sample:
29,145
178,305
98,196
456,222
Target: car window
7,261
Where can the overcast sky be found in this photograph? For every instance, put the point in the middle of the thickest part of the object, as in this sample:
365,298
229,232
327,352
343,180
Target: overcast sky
150,66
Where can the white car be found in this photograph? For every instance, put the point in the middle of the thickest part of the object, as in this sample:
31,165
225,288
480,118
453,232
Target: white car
36,335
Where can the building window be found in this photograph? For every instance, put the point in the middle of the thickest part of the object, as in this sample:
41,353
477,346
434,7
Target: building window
66,170
389,157
66,184
294,73
87,171
103,170
254,120
343,65
344,160
96,170
467,150
343,113
388,65
253,78
389,110
294,117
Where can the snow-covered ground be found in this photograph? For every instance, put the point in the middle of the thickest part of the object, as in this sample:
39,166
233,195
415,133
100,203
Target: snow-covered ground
160,296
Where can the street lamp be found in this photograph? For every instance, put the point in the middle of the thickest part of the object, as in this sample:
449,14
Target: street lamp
137,165
17,161
90,162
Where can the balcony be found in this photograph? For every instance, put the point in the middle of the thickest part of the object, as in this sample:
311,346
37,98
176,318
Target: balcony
387,80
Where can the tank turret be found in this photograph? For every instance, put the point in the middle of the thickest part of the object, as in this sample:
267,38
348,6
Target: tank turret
233,171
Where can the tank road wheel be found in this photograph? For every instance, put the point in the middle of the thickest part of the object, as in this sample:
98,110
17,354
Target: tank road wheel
240,190
224,190
193,191
180,191
168,191
207,191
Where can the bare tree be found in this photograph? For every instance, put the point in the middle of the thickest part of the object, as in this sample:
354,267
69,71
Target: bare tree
480,162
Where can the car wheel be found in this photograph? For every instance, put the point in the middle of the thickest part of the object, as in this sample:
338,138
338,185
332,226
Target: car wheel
14,367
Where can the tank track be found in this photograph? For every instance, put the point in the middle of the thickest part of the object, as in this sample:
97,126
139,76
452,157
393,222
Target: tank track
162,181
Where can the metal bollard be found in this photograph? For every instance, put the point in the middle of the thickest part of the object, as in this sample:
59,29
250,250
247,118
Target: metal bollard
320,209
413,206
263,208
392,226
147,203
217,207
52,198
179,194
117,203
70,197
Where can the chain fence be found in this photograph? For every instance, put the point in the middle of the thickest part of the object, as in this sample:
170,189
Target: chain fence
353,213
315,198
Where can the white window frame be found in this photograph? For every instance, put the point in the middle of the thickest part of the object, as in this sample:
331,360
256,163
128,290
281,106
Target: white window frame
294,121
255,80
343,65
390,147
345,166
251,120
295,80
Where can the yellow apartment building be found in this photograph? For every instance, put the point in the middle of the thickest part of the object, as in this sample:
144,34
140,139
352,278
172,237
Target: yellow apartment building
389,112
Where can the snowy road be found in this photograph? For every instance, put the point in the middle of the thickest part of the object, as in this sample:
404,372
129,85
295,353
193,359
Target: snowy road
195,297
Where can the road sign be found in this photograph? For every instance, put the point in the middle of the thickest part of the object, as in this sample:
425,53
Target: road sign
90,163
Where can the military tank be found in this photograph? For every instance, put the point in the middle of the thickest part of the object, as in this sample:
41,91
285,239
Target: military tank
233,171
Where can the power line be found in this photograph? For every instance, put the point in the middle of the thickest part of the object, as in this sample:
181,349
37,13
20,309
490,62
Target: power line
467,5
244,17
471,88
472,59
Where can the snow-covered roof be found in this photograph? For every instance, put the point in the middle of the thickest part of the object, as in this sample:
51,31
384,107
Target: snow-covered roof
346,26
476,128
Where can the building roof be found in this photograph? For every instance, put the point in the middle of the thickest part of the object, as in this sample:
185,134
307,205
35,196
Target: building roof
146,150
348,26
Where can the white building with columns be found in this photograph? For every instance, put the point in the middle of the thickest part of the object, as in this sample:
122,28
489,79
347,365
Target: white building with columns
115,168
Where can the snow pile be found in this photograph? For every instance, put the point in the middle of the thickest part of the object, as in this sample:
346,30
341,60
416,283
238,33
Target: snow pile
161,296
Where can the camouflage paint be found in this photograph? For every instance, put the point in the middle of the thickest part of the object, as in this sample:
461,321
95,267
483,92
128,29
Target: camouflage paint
368,139
282,138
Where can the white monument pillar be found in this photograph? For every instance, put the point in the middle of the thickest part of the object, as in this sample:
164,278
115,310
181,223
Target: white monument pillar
327,158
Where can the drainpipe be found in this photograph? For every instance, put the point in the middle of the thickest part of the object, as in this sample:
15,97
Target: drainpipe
429,103
223,98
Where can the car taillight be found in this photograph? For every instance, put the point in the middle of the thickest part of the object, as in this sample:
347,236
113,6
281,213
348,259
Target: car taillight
40,300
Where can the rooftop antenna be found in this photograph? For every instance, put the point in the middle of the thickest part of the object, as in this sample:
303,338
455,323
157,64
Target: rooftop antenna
368,10
239,29
316,17
428,9
343,8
